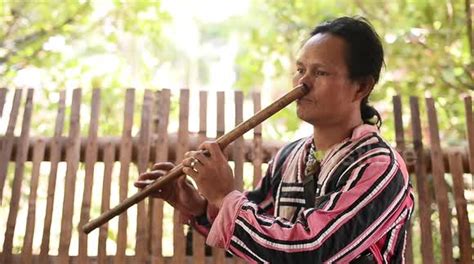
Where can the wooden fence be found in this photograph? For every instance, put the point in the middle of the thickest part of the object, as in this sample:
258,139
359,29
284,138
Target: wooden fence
435,173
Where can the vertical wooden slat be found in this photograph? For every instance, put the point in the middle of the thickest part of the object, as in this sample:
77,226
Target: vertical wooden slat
239,157
72,159
109,157
198,239
217,253
3,94
22,151
91,158
397,113
178,233
400,141
7,143
440,187
470,133
257,143
141,245
125,158
38,155
464,228
161,154
55,154
423,190
239,143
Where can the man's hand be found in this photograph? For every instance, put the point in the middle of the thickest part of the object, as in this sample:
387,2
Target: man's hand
179,193
211,173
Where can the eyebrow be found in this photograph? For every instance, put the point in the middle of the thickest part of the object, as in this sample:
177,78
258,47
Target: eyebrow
298,62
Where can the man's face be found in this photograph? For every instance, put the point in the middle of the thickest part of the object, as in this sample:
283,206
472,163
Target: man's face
321,65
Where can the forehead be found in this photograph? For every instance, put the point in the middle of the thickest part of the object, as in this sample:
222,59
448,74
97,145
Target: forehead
325,49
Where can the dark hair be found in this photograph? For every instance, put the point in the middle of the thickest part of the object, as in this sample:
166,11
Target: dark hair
364,55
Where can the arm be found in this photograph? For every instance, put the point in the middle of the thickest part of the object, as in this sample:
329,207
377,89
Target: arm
357,215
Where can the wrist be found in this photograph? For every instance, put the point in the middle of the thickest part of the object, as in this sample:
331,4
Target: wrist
201,207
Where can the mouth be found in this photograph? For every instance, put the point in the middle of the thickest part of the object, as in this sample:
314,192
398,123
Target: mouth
301,100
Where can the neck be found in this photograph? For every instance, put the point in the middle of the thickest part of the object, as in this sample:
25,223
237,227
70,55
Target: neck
327,136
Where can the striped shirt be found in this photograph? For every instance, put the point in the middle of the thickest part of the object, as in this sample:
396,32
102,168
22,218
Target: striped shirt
363,204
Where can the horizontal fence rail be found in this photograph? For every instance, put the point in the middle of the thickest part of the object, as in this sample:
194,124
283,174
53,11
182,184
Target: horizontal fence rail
51,186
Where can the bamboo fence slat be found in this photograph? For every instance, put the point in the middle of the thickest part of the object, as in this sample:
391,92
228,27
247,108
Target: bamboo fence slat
125,158
109,157
238,149
91,158
440,184
55,156
179,239
26,252
470,133
18,178
464,228
141,245
198,239
424,193
7,143
3,95
400,141
217,253
257,143
161,149
73,149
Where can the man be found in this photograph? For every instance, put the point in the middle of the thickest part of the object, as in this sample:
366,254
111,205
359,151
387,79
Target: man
340,195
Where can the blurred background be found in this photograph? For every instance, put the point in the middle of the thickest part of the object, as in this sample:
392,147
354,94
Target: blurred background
222,45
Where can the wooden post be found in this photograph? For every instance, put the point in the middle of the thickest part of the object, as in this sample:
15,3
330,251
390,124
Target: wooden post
470,133
91,158
125,158
7,143
3,94
18,178
217,253
422,185
161,155
198,239
440,187
257,143
55,156
464,228
26,251
238,149
400,140
73,152
109,157
179,239
141,245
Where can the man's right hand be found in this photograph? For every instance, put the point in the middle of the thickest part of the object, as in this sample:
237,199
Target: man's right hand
179,193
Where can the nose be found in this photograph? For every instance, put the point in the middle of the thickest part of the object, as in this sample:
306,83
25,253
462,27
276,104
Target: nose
304,80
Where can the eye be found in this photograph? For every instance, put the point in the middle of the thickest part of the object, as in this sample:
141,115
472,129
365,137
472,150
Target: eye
300,70
321,73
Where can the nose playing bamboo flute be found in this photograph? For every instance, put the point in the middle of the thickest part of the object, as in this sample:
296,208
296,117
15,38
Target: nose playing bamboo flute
223,141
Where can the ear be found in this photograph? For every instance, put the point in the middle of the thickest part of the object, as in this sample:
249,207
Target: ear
364,87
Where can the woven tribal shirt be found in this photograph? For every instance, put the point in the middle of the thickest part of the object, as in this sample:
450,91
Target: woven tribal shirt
363,202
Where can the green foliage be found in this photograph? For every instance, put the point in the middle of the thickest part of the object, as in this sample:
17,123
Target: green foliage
427,52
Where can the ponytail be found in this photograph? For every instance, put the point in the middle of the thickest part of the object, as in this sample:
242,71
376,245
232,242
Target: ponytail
369,114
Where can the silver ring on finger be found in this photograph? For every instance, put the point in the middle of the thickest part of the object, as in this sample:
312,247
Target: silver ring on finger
193,163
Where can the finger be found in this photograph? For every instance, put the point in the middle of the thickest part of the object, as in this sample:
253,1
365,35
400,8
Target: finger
190,172
187,162
151,175
142,183
214,150
163,166
202,158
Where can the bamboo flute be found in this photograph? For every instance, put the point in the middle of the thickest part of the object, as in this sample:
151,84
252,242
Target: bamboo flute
177,171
